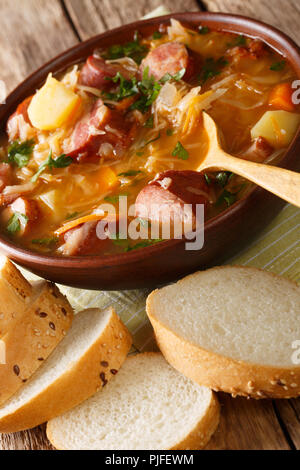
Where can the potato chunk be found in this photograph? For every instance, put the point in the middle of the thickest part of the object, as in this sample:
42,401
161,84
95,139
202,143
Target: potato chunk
277,127
52,105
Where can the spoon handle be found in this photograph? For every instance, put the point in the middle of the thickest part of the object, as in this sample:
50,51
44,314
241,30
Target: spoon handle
283,183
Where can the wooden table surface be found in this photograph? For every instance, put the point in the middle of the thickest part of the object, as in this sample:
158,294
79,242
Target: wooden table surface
34,31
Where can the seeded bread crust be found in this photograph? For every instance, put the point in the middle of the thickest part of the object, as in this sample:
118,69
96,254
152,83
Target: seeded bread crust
88,375
15,293
42,325
196,439
222,373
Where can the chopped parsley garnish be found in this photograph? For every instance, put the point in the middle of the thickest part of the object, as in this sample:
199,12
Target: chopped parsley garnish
114,199
223,177
148,88
180,152
130,173
229,197
127,88
14,223
149,123
203,29
207,179
139,153
72,215
277,66
133,49
124,243
144,244
143,222
238,41
60,162
169,132
47,241
156,35
152,140
19,153
212,68
177,76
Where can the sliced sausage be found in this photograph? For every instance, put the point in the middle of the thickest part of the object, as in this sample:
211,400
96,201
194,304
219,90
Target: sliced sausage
12,127
163,199
170,57
83,240
6,175
258,151
102,132
96,73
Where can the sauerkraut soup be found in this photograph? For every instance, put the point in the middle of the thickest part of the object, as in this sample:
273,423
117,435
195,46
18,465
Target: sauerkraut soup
128,122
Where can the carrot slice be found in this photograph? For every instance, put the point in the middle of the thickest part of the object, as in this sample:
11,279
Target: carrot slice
281,97
81,220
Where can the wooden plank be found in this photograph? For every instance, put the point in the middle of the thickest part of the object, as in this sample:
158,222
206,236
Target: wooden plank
30,35
282,14
33,439
46,31
92,17
289,411
247,425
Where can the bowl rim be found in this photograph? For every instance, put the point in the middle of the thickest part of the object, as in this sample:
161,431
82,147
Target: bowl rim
231,23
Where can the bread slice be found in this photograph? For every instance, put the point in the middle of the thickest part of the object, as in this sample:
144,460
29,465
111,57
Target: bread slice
83,362
39,329
15,293
148,405
232,329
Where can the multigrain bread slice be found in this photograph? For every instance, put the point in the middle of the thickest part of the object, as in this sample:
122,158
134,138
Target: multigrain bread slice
232,329
15,293
148,405
39,329
84,361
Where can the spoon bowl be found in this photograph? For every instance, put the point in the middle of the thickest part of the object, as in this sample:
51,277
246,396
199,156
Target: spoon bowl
283,183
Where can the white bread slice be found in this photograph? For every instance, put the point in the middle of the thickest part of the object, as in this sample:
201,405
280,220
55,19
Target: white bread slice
39,329
91,353
148,405
15,293
231,329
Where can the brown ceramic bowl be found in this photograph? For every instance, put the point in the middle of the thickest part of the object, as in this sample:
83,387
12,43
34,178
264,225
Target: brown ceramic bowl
225,234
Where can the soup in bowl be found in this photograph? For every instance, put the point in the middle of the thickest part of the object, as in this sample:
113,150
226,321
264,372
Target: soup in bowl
115,139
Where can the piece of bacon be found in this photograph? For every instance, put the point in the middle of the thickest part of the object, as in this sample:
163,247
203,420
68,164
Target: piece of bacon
259,150
6,175
22,110
83,240
100,133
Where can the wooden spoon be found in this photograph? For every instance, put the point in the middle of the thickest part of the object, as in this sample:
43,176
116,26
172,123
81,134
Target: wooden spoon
283,183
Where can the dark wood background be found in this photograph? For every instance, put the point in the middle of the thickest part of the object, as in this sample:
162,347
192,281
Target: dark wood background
34,31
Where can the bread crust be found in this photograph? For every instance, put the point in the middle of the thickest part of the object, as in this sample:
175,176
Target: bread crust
15,293
40,327
222,373
203,431
85,378
197,438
